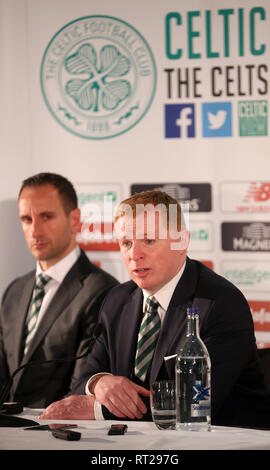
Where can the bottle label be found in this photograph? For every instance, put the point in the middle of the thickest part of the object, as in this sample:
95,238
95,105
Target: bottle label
202,408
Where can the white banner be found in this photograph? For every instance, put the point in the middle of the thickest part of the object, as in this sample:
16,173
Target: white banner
120,97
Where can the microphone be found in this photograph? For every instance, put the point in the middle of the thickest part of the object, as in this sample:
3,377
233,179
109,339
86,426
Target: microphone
7,386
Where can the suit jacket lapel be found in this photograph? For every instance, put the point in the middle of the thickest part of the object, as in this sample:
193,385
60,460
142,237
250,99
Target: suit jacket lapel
67,291
126,336
20,319
174,325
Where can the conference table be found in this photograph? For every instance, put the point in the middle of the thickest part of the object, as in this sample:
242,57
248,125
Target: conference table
142,441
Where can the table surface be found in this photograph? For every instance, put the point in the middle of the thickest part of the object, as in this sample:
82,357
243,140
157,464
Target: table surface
140,435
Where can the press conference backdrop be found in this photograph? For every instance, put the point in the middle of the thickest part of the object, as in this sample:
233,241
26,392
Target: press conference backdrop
125,96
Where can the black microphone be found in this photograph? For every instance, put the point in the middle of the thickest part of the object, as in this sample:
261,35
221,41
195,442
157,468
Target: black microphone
7,386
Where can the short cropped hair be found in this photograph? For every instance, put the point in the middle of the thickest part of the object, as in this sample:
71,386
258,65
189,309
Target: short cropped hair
153,197
64,187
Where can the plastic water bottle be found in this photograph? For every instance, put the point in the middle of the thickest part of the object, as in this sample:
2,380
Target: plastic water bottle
192,377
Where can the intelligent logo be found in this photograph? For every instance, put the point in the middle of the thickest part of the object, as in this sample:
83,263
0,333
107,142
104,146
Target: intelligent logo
253,118
249,275
98,77
217,119
179,121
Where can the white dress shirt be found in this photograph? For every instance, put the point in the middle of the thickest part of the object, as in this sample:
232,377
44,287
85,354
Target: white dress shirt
163,296
57,272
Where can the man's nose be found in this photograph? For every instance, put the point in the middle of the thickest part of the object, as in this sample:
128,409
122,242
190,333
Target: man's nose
35,228
136,251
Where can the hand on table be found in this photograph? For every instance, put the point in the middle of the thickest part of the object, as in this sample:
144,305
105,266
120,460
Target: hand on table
121,396
72,407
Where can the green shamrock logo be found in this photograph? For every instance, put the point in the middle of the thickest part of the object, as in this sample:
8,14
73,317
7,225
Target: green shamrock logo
100,82
102,88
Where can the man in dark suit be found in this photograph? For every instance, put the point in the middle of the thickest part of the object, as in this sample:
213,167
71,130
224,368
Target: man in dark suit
159,267
62,324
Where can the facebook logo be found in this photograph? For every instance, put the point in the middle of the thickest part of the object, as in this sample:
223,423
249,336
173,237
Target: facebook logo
217,119
179,120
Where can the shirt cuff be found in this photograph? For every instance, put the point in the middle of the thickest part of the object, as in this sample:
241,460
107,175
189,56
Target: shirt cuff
91,380
98,411
97,406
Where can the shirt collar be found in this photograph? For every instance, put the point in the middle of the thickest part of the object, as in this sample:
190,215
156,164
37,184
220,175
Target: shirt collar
164,295
59,270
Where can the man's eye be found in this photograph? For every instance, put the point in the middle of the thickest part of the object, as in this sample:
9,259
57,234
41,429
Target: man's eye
126,244
149,241
25,220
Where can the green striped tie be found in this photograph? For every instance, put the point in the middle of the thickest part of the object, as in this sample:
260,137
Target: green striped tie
37,298
147,338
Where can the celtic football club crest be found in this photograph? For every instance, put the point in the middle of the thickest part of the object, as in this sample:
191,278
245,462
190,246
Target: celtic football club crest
98,77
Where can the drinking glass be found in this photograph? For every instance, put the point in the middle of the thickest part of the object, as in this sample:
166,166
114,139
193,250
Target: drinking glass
162,401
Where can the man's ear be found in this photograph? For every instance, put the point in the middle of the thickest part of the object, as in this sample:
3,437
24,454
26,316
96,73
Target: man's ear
75,218
183,242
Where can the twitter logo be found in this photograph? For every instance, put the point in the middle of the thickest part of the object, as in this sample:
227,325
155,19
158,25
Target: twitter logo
217,119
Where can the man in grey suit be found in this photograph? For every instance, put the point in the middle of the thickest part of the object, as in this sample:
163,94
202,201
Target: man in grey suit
56,319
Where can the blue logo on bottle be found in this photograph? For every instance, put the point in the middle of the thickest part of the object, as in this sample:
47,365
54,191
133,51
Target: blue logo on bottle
217,119
202,393
179,121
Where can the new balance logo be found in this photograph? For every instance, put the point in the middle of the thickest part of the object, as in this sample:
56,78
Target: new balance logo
179,120
258,192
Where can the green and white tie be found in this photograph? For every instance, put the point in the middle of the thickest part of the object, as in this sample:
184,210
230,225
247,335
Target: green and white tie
147,338
37,298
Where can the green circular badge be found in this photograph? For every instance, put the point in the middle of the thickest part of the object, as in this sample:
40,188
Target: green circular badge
98,77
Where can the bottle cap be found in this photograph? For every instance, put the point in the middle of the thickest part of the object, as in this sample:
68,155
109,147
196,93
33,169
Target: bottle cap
192,311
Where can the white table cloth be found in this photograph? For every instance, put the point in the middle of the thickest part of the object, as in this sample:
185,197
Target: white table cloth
140,436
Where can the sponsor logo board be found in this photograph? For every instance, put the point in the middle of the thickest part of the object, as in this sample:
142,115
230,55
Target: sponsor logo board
248,275
98,203
201,236
197,197
261,314
112,265
245,236
250,196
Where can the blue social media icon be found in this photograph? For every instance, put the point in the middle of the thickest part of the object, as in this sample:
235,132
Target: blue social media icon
217,119
179,120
